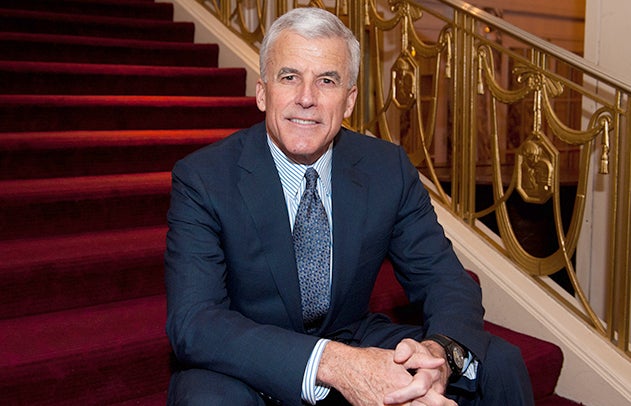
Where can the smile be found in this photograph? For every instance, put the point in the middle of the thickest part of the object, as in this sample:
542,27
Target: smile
301,121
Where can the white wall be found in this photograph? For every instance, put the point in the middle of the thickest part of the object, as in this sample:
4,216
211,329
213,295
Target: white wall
607,34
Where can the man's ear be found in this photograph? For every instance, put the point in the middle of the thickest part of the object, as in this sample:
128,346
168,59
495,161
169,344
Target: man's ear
350,101
260,94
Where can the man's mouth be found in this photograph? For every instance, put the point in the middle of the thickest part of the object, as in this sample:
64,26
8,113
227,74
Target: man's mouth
302,121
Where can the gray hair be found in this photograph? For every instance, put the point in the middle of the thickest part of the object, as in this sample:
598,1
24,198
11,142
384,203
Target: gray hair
311,23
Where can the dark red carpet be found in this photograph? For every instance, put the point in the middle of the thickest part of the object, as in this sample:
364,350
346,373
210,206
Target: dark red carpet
79,49
98,99
50,78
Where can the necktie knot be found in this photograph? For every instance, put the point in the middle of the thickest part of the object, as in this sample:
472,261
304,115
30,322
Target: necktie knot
311,175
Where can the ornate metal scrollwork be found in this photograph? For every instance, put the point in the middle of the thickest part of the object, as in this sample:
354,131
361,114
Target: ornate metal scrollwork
535,164
404,81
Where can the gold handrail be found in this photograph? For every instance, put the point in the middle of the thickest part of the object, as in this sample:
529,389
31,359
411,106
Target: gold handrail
500,121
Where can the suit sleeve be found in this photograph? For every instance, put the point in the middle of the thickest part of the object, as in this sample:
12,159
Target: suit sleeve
205,332
429,270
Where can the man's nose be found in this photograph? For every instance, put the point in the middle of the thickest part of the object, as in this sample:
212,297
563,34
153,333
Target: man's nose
307,95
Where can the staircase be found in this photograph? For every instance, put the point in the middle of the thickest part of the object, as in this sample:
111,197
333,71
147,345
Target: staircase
98,98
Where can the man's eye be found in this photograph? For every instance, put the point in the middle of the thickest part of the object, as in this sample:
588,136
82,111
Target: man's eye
288,78
329,82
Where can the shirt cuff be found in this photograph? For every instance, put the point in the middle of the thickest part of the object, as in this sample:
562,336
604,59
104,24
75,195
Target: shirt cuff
311,393
470,368
468,380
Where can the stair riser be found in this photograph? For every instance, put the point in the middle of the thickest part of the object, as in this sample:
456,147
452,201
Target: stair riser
31,164
125,117
147,10
20,219
71,285
103,377
160,399
76,83
543,359
199,55
155,31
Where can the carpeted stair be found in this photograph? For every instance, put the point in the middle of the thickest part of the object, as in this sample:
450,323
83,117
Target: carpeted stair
98,98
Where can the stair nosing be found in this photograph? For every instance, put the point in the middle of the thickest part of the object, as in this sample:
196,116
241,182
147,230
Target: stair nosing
49,140
126,100
57,325
28,253
158,11
81,68
84,187
92,19
90,40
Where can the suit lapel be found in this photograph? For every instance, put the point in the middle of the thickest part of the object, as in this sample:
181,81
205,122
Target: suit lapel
349,194
262,192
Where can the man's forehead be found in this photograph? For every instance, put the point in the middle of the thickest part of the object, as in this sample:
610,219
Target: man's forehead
321,56
289,43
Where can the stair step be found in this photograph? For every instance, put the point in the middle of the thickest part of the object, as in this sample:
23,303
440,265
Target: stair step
112,8
156,399
49,140
95,26
62,206
33,191
552,400
80,49
91,153
543,359
96,355
99,79
60,113
41,275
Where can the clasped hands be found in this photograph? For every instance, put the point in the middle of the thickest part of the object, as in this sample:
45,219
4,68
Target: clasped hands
414,373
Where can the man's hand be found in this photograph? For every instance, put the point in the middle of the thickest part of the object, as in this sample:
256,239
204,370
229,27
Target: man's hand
362,375
431,372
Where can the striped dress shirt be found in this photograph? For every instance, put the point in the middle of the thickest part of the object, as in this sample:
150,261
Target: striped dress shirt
292,178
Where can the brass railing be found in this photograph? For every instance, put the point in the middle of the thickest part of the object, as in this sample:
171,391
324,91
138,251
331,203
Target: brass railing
505,125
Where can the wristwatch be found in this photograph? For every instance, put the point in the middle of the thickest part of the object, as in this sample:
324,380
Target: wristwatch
454,352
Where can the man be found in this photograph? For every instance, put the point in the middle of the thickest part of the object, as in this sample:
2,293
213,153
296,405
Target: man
247,323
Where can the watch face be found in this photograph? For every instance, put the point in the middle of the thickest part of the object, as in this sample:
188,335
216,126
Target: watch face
458,356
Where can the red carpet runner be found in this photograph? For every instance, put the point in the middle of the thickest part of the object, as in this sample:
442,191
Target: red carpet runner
98,98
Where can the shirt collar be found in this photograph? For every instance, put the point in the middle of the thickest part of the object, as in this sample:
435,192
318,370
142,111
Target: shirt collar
292,173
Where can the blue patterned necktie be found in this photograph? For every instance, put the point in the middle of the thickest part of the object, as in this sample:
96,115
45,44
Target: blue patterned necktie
312,243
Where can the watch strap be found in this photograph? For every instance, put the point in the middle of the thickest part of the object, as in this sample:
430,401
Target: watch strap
448,345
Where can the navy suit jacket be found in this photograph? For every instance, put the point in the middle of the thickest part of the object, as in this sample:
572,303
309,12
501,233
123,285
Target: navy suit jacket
232,286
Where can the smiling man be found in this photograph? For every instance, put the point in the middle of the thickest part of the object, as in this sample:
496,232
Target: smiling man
277,234
306,90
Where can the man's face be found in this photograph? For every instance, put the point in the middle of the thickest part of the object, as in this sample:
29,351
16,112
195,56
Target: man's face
306,94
